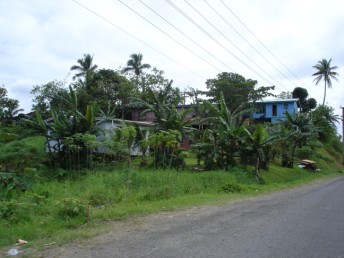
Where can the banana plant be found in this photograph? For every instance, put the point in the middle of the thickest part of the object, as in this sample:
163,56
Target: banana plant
258,141
225,131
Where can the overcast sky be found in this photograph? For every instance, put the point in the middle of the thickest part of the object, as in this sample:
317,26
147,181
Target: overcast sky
41,39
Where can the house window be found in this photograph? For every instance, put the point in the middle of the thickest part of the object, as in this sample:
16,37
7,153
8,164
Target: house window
261,109
274,110
285,106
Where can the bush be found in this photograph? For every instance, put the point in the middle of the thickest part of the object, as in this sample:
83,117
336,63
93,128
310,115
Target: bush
71,208
325,157
304,152
231,188
161,193
14,212
15,156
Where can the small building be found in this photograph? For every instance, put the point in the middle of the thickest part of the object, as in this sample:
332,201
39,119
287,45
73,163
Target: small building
274,110
111,125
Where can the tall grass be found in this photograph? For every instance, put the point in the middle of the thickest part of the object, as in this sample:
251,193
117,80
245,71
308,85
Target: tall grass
59,209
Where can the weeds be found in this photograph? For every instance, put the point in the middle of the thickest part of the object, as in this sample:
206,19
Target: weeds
52,208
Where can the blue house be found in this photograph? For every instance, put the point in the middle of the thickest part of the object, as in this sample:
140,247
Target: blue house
274,110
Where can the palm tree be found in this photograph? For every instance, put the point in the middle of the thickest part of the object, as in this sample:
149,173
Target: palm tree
258,142
325,72
135,64
85,67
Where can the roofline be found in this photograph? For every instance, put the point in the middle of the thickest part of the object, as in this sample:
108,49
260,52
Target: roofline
118,120
277,100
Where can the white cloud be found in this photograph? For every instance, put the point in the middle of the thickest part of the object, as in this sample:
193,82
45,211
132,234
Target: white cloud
41,40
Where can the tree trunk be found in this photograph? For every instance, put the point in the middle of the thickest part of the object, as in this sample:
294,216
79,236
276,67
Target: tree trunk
256,168
324,94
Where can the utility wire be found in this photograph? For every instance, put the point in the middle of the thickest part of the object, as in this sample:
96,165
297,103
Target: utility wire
181,44
138,39
186,36
243,38
262,43
230,41
214,39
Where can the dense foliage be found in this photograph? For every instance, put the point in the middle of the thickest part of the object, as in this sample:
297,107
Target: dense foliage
67,124
65,164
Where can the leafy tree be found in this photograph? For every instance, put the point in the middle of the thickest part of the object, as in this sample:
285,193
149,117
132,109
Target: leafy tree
235,89
325,73
285,95
300,93
11,110
3,96
154,80
324,118
106,87
299,131
46,97
312,103
304,103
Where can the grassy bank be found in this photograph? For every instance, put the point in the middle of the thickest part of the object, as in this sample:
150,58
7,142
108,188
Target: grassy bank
76,208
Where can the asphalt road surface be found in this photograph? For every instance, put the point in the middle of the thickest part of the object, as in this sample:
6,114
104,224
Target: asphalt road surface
304,222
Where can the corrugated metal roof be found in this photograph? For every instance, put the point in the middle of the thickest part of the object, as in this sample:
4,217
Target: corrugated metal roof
276,100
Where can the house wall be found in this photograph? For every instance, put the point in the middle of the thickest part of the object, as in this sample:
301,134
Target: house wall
108,127
150,117
291,108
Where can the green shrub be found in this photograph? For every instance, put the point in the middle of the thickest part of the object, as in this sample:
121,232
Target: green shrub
231,188
15,156
14,212
38,199
103,197
161,193
71,208
325,157
304,152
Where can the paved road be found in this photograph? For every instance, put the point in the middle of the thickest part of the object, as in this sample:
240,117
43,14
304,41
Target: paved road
303,222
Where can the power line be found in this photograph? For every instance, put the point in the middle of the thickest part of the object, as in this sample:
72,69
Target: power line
186,36
211,24
138,39
181,44
243,38
210,36
262,43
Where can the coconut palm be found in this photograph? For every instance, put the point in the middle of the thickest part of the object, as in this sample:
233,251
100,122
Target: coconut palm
135,65
85,67
325,72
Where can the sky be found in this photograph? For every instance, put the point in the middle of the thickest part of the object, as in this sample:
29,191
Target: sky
273,42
